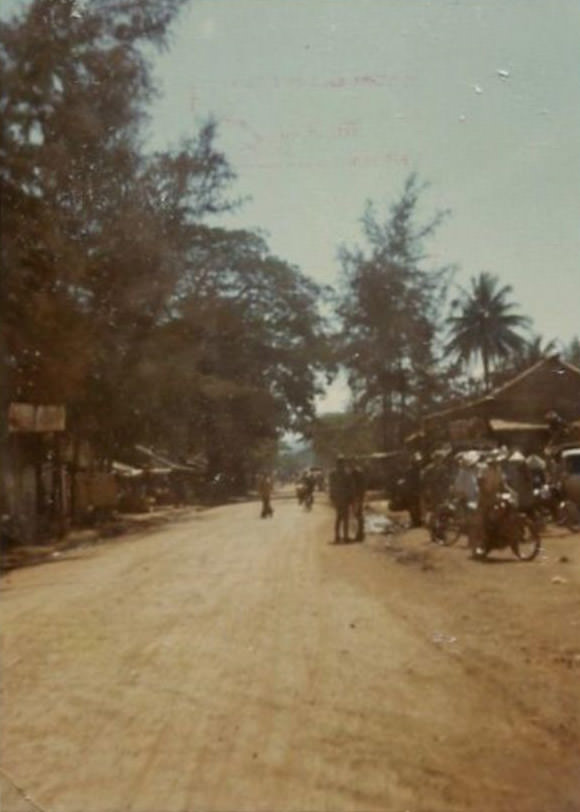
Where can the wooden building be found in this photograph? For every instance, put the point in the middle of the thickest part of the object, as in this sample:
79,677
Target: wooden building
538,406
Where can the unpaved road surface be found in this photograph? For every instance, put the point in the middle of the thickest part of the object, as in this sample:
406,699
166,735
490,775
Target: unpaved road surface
228,663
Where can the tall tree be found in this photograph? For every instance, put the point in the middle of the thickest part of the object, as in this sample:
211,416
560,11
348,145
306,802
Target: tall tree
389,310
122,299
246,344
348,433
484,324
75,88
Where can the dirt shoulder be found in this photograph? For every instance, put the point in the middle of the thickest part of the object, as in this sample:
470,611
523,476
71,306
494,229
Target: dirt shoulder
25,555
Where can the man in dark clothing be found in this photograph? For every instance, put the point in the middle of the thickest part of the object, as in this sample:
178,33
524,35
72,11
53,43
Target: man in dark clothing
265,493
413,486
358,499
341,493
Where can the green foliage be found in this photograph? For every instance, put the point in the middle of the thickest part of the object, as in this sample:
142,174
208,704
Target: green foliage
120,298
484,324
75,85
390,313
350,433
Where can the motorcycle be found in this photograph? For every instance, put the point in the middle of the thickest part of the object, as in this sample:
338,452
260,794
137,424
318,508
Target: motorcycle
305,496
505,527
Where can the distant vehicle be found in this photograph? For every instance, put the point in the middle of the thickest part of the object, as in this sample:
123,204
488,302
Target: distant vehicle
570,487
318,475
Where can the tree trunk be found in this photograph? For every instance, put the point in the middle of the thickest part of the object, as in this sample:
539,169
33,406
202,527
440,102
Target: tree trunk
385,421
485,359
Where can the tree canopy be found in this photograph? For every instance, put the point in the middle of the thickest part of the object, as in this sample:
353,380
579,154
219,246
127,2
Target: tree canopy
122,296
484,324
390,312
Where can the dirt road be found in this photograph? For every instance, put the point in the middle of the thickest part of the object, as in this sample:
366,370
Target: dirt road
229,663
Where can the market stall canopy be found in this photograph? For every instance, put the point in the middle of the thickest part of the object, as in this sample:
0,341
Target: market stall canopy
127,471
499,426
160,461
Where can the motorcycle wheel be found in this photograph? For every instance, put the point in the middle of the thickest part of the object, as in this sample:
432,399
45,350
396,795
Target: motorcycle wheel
456,530
445,532
568,516
529,541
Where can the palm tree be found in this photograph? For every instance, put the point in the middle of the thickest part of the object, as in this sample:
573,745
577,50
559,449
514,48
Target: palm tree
483,323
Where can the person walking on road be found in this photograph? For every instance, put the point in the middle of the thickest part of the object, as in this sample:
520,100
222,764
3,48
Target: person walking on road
307,486
265,493
341,495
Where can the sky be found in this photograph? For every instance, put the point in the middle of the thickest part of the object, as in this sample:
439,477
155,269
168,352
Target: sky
325,104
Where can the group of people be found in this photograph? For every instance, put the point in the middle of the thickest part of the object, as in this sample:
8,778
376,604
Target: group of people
478,476
475,478
305,487
346,490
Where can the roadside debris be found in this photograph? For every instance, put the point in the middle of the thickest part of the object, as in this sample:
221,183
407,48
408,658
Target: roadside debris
379,524
441,639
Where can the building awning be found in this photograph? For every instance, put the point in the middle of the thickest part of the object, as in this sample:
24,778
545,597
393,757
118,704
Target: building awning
382,455
499,426
159,463
128,471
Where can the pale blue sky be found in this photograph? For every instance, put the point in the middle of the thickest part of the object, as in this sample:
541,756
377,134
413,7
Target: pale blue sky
326,103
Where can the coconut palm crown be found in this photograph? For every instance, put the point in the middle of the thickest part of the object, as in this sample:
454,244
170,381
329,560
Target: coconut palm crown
483,323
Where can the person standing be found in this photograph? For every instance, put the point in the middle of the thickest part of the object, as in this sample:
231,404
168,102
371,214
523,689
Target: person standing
341,495
520,478
358,499
308,483
465,486
265,493
491,481
413,487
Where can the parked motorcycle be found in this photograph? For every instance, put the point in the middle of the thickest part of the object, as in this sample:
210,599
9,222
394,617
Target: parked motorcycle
506,527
